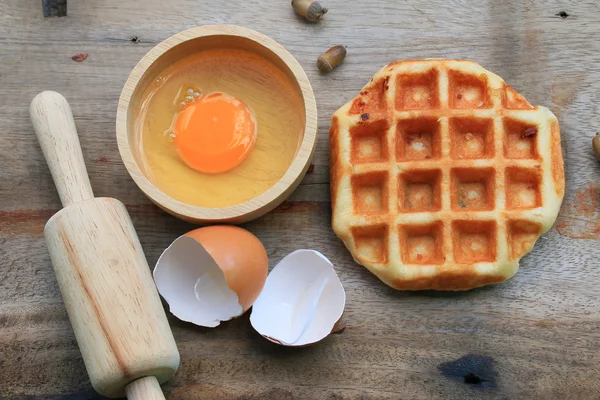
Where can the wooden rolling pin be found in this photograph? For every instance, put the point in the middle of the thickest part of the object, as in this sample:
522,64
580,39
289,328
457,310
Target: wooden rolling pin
104,278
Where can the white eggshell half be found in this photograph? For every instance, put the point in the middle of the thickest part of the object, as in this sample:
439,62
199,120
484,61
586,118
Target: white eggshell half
193,285
301,302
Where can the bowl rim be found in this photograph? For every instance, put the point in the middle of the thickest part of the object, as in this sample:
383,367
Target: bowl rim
258,205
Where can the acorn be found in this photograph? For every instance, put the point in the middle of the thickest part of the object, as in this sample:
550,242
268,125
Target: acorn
331,58
309,9
596,146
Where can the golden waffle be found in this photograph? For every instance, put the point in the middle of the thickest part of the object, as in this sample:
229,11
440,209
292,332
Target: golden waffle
442,175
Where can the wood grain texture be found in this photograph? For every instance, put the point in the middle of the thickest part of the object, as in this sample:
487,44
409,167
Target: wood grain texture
145,389
54,126
110,296
104,278
533,337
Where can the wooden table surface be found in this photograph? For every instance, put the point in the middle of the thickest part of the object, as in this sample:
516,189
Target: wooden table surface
533,337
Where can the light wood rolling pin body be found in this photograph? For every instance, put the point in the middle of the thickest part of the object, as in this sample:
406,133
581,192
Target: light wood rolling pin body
104,278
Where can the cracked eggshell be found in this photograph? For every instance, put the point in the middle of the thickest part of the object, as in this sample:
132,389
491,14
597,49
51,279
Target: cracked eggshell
302,301
212,274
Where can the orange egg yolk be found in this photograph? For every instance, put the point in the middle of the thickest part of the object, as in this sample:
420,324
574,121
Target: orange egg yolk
215,133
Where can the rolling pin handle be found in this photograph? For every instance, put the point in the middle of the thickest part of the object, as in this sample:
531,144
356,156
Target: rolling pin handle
55,129
146,388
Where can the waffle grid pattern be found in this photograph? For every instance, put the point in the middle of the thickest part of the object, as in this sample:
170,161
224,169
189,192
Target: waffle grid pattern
461,183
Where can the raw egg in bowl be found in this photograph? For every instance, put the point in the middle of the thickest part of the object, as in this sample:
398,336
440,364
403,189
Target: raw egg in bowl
217,124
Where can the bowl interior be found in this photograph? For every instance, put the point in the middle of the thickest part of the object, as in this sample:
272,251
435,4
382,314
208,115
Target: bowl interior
177,48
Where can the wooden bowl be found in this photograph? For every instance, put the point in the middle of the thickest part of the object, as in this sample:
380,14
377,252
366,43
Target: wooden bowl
182,45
